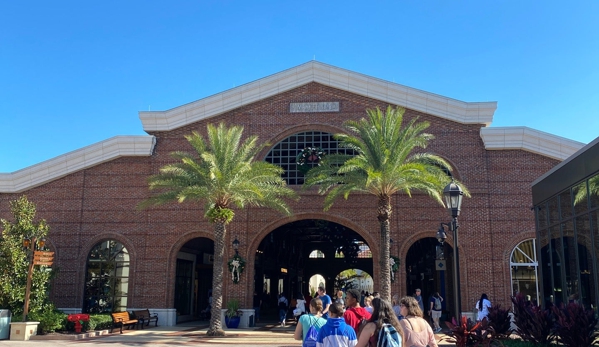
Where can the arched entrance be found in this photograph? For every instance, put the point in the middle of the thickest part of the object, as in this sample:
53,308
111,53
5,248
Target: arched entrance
289,256
429,268
193,279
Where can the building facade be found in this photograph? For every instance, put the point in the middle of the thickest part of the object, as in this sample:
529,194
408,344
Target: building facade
566,201
113,256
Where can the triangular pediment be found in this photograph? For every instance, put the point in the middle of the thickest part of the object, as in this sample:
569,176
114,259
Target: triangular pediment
313,71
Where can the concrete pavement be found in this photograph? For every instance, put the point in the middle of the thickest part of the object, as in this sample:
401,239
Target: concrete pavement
187,334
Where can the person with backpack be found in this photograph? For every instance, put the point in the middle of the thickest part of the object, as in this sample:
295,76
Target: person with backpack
355,315
336,333
283,305
309,325
383,328
435,310
416,331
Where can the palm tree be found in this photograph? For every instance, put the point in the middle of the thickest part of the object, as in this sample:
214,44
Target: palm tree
384,164
221,174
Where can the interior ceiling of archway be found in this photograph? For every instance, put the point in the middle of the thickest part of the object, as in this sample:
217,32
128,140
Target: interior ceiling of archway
199,244
302,237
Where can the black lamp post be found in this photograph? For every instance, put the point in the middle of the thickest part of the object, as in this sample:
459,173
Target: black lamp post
236,246
453,200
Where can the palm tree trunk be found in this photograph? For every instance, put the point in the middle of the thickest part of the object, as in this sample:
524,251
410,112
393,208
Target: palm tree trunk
215,328
384,212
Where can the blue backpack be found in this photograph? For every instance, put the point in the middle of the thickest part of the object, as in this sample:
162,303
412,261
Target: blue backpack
388,336
311,337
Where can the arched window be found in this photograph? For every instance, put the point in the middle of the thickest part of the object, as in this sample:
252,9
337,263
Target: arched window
285,153
524,265
107,278
316,254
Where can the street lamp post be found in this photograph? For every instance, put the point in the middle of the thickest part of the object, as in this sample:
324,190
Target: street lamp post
453,200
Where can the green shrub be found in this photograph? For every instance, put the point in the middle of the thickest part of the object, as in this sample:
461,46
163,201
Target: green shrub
98,322
50,320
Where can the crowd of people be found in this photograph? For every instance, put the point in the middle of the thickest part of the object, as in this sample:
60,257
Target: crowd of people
354,318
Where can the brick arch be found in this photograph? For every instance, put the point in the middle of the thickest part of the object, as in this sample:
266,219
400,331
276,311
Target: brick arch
273,141
86,248
401,285
266,230
171,266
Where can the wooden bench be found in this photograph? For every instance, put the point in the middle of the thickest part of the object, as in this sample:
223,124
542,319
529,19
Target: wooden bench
120,319
144,316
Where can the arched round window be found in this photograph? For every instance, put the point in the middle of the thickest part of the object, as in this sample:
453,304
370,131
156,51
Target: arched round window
106,278
286,152
524,270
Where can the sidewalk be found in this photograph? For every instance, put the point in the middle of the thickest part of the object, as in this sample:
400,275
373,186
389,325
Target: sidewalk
186,334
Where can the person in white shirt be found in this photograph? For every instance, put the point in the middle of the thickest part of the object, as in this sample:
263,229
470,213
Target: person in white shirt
483,306
300,306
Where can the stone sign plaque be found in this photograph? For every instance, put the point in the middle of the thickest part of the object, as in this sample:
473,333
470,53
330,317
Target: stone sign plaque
301,107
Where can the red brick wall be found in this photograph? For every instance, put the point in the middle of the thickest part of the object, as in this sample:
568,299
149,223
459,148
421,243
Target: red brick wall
100,202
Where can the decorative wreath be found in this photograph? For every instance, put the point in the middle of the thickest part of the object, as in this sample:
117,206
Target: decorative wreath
236,267
309,155
394,264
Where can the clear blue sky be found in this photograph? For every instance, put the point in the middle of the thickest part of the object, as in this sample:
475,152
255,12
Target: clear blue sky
73,73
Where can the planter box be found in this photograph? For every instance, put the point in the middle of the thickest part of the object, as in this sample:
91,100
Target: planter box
22,331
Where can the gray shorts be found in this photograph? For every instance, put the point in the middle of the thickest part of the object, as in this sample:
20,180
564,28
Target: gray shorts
436,314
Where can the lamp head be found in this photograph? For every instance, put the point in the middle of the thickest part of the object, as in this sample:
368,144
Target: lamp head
441,235
453,195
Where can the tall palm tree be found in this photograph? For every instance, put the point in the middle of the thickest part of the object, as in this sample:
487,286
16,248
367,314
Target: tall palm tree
221,174
384,164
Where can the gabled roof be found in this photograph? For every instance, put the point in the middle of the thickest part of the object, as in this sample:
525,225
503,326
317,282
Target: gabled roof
313,71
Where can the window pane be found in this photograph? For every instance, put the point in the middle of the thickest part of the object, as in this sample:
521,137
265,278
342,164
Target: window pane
558,262
565,201
542,213
570,264
594,191
580,198
545,255
553,211
586,295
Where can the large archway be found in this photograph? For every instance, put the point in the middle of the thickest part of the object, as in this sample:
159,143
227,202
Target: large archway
193,278
288,257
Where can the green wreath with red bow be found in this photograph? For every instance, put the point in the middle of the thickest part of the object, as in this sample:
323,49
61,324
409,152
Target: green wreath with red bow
307,156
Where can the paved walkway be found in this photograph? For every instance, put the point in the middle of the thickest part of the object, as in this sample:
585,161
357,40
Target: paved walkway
187,334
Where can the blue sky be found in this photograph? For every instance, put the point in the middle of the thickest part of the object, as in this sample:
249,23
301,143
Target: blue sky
73,73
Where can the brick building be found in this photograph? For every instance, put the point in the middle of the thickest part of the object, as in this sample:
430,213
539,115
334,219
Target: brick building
113,256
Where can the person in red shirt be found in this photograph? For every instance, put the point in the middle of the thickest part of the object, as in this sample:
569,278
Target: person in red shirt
354,314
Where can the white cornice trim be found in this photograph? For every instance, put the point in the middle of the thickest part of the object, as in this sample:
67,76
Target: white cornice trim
535,141
83,158
313,71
